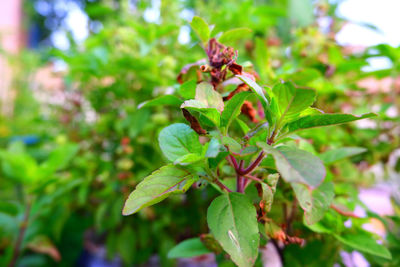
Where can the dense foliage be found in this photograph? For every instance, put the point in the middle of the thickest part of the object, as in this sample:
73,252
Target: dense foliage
231,119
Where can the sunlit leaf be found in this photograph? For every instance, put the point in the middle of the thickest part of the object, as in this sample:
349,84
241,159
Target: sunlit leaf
178,140
320,120
156,187
296,165
233,221
201,28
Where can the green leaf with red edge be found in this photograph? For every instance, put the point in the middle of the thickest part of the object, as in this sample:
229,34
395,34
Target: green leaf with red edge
296,165
292,100
168,180
320,120
314,202
207,102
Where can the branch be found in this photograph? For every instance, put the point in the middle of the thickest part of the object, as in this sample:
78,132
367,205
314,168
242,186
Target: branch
253,165
233,162
21,234
239,178
221,185
256,179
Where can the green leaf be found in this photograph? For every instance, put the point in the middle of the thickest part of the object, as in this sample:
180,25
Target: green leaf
243,126
9,208
126,244
187,249
206,94
296,165
156,187
321,120
314,202
260,93
58,159
364,242
233,35
213,149
334,155
211,114
232,220
20,167
254,86
232,144
311,111
207,102
232,109
292,100
188,89
201,28
188,159
177,140
268,190
167,100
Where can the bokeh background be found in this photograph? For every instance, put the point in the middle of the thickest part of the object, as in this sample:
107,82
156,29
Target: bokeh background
73,142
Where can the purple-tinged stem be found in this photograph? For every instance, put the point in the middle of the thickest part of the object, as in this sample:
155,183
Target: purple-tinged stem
222,186
239,178
234,162
252,166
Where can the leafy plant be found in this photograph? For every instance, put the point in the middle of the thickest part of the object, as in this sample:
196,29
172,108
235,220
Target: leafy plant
239,153
40,191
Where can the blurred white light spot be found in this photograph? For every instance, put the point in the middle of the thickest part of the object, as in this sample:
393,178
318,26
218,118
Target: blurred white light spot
77,21
152,14
382,14
184,35
353,34
377,63
187,14
60,40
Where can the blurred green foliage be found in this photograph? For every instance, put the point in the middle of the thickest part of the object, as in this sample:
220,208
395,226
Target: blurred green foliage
67,184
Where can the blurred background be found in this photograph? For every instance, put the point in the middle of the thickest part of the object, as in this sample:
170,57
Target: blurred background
73,143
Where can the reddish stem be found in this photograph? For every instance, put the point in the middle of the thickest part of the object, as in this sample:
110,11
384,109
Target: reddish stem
222,186
239,178
252,166
256,179
21,234
234,162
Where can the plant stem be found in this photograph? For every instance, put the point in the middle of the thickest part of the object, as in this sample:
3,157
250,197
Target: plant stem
252,166
221,185
20,238
239,187
214,179
239,179
270,140
234,162
256,179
